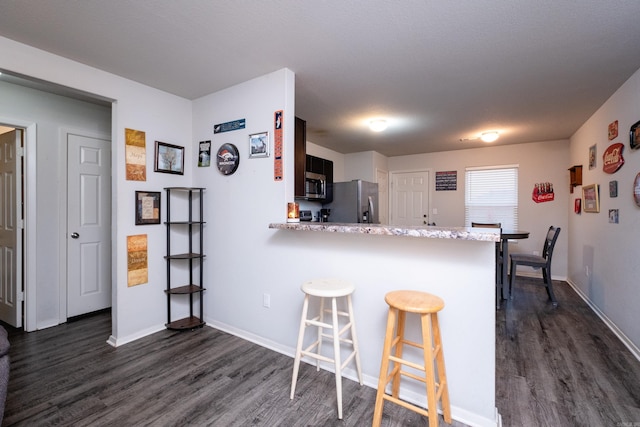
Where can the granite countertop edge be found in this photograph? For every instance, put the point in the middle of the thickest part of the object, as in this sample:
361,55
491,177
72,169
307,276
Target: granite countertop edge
432,232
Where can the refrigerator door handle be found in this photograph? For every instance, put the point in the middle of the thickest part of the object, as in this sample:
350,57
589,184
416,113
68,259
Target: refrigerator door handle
371,212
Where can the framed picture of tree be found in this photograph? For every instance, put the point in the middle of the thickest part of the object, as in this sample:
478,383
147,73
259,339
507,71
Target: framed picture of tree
169,158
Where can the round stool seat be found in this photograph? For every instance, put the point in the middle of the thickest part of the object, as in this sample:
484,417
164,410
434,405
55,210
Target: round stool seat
328,288
414,301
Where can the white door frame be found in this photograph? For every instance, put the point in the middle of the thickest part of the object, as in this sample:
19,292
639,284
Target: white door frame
62,226
428,171
29,261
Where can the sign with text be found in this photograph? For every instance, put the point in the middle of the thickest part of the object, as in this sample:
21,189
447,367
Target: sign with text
446,180
229,126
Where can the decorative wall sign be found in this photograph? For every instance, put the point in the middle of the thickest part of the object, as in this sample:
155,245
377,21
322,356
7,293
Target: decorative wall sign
592,157
135,154
446,180
147,207
543,192
137,268
228,159
613,216
613,130
591,198
278,125
169,158
634,136
204,154
229,126
612,159
613,189
259,145
636,189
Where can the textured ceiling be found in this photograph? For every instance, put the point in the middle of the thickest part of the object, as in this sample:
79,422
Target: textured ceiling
439,71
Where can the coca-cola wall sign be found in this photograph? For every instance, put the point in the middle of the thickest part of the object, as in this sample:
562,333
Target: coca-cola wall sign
542,192
612,159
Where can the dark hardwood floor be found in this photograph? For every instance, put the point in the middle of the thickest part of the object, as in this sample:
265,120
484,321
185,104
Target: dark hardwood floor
558,367
561,367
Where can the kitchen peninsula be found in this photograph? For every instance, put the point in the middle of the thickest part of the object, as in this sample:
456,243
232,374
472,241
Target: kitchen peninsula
457,264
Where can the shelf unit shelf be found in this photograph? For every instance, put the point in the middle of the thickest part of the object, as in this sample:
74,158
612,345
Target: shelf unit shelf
194,228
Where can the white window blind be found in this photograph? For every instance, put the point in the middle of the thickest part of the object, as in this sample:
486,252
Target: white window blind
491,195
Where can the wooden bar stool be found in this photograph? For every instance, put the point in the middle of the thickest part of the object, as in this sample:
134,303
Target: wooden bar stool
334,289
427,306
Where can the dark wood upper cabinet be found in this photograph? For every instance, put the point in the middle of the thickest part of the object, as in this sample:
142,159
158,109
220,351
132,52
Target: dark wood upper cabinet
300,156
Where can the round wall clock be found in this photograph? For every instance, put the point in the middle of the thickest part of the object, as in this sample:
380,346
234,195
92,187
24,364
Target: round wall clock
227,159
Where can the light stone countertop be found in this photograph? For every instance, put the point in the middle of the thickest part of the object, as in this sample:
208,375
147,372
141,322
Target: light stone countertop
432,232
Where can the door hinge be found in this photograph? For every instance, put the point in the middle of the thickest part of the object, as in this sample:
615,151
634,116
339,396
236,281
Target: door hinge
20,296
20,151
21,224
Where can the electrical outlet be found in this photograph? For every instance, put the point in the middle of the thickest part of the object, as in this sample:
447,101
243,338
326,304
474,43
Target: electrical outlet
266,300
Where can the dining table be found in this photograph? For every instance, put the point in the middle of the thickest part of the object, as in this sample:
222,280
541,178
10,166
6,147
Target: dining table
505,236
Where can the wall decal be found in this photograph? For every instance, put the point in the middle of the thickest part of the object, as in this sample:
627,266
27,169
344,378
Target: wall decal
613,216
278,124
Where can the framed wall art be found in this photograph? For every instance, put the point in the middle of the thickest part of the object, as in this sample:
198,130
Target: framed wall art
147,207
169,158
634,136
259,145
590,198
592,157
613,188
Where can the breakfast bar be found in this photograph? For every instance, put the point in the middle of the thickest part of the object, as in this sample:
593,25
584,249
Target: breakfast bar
455,263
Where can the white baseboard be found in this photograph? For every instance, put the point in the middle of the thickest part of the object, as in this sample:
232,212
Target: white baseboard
614,328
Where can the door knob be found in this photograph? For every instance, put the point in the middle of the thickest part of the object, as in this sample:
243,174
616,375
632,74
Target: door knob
74,235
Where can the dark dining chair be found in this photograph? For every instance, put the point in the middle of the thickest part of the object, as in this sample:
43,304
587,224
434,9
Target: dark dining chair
538,261
499,260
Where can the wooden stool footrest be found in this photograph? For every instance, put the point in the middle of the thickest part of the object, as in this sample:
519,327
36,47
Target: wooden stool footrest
407,405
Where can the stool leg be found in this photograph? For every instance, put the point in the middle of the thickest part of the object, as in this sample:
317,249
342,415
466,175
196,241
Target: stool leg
354,338
321,319
296,363
442,372
384,367
395,388
336,354
427,343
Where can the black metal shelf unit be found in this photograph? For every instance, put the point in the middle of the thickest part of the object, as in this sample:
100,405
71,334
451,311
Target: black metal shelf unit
194,257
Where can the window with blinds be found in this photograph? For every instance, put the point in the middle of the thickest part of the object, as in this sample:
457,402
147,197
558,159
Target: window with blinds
491,195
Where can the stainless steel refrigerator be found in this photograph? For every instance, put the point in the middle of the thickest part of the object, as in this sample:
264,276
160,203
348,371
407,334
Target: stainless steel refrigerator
354,202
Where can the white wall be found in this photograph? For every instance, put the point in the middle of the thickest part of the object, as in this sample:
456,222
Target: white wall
363,165
138,310
241,265
53,115
609,251
538,162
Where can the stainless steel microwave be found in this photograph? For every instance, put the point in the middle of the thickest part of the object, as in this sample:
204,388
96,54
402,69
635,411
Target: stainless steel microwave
315,186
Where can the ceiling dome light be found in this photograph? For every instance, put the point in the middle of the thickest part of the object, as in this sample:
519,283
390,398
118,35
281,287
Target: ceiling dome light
489,136
378,125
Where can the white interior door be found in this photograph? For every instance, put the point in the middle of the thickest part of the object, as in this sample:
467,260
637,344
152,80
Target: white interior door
11,228
88,224
410,198
382,178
